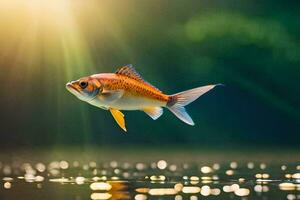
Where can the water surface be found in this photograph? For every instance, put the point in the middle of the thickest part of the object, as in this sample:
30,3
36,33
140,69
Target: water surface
34,176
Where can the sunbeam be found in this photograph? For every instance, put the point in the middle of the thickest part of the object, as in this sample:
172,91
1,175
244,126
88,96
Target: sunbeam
49,41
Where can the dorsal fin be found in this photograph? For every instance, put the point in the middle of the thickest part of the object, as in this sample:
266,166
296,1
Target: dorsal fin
129,71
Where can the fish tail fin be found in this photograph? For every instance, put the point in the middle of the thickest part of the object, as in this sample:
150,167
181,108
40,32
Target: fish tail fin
178,101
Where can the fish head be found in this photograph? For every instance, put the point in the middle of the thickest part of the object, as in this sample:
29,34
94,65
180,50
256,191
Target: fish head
85,89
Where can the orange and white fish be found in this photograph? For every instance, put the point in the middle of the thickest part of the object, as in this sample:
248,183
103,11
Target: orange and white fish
127,90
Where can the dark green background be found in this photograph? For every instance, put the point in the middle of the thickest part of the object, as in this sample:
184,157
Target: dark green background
250,46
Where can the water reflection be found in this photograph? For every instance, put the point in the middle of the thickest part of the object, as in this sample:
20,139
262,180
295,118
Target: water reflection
140,181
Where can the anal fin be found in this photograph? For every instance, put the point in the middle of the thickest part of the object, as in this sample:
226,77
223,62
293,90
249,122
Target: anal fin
119,117
154,112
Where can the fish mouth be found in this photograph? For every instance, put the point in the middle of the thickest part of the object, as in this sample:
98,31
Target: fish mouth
72,88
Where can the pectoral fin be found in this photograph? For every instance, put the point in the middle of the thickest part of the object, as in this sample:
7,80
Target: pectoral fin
119,117
111,95
154,112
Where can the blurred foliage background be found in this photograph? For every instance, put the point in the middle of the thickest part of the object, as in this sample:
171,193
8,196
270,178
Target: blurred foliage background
250,46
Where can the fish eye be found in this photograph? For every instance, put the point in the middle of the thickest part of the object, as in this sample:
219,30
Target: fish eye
83,84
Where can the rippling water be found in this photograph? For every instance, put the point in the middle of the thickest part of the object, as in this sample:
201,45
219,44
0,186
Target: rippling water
155,179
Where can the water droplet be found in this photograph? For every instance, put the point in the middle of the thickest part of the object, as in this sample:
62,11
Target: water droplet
191,189
140,197
100,186
242,192
162,164
7,185
206,170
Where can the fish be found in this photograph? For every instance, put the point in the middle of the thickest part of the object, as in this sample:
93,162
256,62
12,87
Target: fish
126,90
